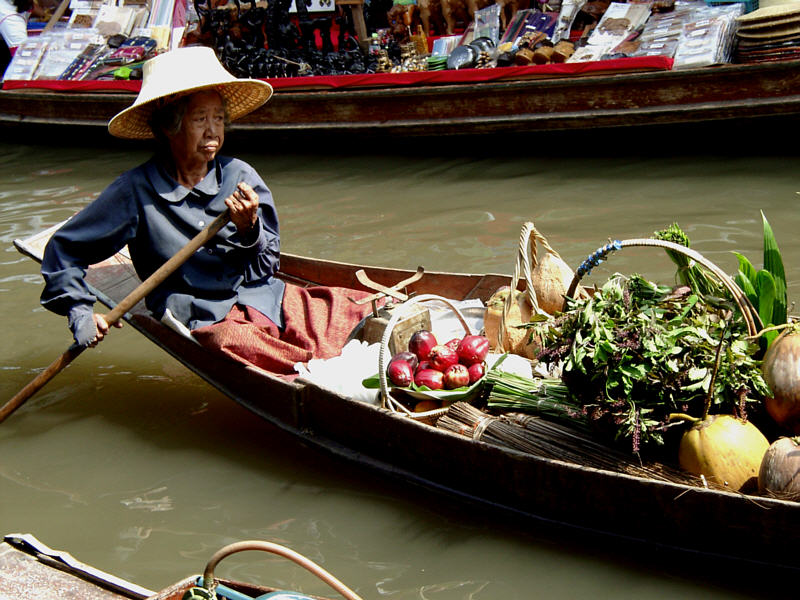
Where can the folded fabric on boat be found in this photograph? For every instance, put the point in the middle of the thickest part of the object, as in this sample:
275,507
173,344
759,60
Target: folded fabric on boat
318,322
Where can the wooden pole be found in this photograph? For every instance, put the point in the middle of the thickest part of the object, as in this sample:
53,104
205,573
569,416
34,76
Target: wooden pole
360,25
116,313
56,17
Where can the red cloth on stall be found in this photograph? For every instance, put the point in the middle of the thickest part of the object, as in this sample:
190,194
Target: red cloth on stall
318,322
616,65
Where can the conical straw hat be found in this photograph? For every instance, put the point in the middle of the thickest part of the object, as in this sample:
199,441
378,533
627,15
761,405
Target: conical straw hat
180,72
771,13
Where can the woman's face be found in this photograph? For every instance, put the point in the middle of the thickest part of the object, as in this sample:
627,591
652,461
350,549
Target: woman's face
202,130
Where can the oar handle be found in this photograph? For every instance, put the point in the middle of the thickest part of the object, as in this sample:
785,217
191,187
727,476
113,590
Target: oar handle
116,313
167,269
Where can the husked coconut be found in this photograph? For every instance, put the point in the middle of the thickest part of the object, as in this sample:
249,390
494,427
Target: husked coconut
551,279
779,475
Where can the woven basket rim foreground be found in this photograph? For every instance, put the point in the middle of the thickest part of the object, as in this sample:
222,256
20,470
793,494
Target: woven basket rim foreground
387,400
746,308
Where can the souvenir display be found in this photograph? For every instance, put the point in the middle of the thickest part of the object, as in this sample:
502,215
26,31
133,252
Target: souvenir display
62,50
530,21
111,38
617,24
462,57
26,60
567,14
487,23
709,39
660,35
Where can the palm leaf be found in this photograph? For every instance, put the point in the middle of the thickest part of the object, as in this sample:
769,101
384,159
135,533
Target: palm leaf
774,264
746,268
746,285
765,284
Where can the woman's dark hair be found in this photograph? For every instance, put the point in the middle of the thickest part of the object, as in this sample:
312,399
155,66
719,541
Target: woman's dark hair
23,5
166,119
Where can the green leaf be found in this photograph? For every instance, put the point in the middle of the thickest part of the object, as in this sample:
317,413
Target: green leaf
697,373
604,350
747,286
690,303
765,285
774,264
374,383
746,267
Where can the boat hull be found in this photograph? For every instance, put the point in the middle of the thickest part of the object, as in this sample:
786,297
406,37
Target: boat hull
543,103
537,491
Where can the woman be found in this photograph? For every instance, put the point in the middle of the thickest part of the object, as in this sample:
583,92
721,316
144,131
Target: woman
226,294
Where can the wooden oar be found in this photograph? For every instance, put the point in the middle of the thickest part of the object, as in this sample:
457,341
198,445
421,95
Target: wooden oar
116,313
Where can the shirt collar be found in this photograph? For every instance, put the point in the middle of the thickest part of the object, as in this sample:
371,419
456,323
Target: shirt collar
172,191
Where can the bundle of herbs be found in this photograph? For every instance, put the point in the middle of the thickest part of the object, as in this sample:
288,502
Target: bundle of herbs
636,351
689,272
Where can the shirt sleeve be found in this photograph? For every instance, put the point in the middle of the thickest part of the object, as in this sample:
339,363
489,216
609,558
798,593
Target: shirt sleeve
14,29
94,234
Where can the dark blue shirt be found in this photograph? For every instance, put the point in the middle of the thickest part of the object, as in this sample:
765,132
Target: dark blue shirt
155,216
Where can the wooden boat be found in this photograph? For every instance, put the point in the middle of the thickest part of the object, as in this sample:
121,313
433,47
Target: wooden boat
30,569
619,93
539,492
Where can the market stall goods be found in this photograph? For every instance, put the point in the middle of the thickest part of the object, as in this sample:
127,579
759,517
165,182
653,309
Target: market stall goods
104,41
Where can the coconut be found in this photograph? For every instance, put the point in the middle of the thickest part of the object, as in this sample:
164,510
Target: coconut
726,450
779,475
781,369
551,280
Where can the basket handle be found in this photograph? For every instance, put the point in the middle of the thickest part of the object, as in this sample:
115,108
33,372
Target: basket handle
526,261
386,397
209,582
526,254
749,313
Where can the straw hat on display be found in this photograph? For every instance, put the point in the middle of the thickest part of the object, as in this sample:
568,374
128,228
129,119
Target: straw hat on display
784,13
769,33
181,72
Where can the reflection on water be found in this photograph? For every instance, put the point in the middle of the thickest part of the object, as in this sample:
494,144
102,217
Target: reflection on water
135,465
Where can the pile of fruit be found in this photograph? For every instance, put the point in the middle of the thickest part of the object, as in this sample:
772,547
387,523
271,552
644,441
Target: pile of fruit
427,363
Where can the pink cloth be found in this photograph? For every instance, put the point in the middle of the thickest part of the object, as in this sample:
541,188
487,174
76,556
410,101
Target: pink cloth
318,323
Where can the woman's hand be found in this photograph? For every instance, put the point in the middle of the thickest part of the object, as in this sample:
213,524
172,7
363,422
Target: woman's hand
89,329
243,204
102,327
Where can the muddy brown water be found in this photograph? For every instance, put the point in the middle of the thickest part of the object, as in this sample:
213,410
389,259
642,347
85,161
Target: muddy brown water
135,465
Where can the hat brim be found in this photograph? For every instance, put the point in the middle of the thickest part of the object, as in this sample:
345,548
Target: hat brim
768,13
242,96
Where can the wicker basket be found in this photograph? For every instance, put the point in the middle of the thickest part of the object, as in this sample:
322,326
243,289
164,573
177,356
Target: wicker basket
387,400
749,313
529,239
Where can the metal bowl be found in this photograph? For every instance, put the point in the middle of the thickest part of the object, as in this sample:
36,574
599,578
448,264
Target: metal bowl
462,57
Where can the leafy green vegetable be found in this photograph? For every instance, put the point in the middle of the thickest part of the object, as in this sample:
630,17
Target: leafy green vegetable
688,273
637,351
